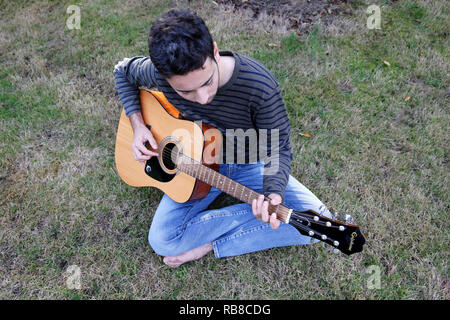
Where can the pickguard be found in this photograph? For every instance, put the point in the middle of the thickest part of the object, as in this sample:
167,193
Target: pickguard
154,170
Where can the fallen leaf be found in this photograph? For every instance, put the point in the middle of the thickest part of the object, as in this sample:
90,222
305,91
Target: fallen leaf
387,63
329,10
274,45
307,135
407,98
422,53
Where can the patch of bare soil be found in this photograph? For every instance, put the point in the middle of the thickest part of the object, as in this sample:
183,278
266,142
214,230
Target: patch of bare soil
300,14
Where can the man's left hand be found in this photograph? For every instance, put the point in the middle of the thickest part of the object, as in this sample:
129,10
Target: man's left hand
261,212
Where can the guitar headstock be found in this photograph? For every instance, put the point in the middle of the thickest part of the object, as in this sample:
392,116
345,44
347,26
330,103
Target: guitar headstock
343,236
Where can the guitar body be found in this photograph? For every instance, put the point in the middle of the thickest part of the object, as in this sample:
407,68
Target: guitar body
170,132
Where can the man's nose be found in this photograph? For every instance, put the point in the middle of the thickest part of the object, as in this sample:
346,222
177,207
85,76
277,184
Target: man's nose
202,95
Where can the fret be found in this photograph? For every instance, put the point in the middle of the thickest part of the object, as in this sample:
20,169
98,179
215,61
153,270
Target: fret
214,182
197,171
200,171
276,210
223,180
209,175
195,167
229,185
189,170
218,185
254,197
242,192
248,195
226,179
251,196
205,171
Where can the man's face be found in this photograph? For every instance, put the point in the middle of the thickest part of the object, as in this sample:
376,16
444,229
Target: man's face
199,85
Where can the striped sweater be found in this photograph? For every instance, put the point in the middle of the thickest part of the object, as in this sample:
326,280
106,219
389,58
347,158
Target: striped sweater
250,102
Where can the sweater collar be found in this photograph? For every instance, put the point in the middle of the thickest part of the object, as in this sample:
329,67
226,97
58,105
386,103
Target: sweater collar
237,65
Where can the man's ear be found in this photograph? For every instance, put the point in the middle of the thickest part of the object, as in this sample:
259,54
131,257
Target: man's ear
216,52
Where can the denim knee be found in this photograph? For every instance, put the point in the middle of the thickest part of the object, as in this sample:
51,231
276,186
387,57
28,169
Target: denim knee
160,244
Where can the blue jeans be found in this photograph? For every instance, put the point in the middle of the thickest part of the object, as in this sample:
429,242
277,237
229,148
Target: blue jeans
233,230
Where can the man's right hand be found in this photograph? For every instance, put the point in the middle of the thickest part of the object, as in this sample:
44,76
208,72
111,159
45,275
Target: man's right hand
142,135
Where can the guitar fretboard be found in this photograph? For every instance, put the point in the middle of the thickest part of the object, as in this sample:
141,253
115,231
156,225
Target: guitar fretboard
227,185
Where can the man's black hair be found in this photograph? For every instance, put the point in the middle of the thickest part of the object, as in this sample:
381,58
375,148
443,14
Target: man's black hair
179,42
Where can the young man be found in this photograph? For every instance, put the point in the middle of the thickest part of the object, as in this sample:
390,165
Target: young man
229,91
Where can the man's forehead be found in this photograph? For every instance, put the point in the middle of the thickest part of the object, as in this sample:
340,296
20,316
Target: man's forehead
194,79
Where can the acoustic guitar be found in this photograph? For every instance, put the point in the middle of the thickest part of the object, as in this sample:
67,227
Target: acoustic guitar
187,166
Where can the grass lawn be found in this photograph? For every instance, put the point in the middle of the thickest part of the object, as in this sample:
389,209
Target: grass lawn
373,100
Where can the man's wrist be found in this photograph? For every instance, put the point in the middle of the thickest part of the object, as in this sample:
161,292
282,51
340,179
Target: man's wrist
270,194
136,120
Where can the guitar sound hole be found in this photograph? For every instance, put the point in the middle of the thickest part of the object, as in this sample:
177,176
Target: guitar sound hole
170,156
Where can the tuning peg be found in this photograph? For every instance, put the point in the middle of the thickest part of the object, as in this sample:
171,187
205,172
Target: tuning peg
349,219
322,208
324,212
330,248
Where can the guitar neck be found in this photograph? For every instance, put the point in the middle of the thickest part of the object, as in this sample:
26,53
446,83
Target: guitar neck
227,185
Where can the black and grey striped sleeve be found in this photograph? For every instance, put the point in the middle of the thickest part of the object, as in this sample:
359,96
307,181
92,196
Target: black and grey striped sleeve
273,117
129,75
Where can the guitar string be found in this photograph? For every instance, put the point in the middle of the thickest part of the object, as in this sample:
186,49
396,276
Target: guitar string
316,234
168,155
282,211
